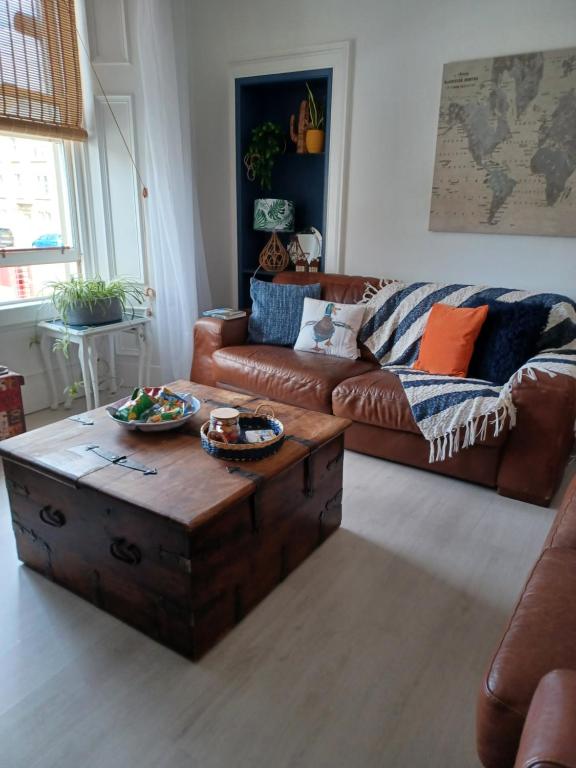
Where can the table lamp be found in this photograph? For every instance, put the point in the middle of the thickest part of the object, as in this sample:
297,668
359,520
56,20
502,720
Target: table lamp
271,215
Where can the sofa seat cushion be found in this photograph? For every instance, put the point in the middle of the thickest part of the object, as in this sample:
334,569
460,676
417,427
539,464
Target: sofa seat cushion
304,379
540,637
377,398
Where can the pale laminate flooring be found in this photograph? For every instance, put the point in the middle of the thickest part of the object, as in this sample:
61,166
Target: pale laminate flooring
368,656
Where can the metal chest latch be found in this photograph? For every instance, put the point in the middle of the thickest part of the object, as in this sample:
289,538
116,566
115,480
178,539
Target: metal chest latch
122,461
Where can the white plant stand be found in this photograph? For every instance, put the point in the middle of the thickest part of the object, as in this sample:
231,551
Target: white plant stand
85,338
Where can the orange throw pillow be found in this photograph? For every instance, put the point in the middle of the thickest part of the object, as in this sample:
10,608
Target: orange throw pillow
448,339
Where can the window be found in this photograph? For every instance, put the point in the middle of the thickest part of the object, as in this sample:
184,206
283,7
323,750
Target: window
42,182
38,240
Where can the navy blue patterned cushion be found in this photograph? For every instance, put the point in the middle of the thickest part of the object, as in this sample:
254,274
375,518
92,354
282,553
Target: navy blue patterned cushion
277,311
509,337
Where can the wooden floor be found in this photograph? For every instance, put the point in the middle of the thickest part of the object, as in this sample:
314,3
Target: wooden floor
369,655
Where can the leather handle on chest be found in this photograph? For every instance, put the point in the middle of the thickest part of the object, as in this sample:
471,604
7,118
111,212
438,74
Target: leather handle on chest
125,552
52,517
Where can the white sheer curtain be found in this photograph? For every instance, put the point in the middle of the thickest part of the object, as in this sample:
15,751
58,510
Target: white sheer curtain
175,245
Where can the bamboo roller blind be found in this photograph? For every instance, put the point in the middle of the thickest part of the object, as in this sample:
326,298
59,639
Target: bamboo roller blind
40,89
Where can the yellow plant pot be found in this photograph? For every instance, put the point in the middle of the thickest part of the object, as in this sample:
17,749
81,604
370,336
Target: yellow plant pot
314,141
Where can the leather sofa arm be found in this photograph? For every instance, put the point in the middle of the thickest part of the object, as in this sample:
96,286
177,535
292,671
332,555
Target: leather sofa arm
538,447
211,334
549,735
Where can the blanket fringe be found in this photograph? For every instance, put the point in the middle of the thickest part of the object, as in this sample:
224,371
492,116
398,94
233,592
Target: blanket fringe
371,290
530,371
475,430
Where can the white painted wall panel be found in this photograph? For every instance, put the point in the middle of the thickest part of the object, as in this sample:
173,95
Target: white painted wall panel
120,185
107,31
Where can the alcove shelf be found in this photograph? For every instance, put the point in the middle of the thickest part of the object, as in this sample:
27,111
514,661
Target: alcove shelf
301,178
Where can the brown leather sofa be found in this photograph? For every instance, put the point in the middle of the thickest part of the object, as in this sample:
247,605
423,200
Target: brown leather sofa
549,738
526,463
518,692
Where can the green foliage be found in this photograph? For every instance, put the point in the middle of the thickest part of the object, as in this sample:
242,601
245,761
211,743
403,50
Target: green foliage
88,290
266,142
277,210
73,389
67,294
260,219
316,111
62,345
276,213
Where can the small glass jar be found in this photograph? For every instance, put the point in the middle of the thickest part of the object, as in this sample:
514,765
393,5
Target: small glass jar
224,422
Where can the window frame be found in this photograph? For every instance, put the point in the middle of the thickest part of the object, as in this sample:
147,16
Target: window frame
72,254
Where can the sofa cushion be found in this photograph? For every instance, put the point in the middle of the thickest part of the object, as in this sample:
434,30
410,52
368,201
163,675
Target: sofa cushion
448,340
277,311
329,328
346,289
540,637
297,378
377,398
508,338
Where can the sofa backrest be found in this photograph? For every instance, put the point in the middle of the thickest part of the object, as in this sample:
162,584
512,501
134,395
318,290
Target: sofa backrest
348,289
344,289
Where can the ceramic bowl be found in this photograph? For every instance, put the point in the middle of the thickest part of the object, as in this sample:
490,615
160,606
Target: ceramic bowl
192,407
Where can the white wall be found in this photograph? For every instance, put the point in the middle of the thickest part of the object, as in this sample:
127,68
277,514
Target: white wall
400,47
19,351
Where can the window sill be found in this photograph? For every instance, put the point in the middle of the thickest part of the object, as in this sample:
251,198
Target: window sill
25,313
31,312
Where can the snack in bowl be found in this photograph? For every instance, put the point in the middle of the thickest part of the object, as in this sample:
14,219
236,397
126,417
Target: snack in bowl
136,408
154,408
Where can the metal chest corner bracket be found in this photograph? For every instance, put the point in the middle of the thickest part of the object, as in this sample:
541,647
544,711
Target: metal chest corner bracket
121,461
81,419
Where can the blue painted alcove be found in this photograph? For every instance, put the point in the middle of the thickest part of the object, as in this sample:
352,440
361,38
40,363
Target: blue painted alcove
301,178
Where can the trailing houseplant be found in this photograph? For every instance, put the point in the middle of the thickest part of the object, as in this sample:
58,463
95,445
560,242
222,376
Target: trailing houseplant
315,133
267,141
91,301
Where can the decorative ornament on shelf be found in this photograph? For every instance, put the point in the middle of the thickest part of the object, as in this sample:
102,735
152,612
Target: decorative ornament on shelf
310,245
297,255
299,138
315,132
271,215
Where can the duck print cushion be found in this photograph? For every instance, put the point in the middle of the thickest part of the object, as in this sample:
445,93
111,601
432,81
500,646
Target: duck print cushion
330,329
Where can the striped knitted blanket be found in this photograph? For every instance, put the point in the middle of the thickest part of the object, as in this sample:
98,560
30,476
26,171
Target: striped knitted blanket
454,413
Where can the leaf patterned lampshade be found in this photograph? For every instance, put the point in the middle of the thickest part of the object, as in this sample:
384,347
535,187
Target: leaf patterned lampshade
272,215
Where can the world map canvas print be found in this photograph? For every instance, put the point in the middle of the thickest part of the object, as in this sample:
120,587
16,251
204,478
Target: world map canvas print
506,146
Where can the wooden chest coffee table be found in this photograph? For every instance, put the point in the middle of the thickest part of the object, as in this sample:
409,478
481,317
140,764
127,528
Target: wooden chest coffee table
185,553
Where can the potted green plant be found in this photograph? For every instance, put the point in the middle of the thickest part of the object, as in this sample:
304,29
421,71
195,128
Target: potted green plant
267,141
314,134
92,301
